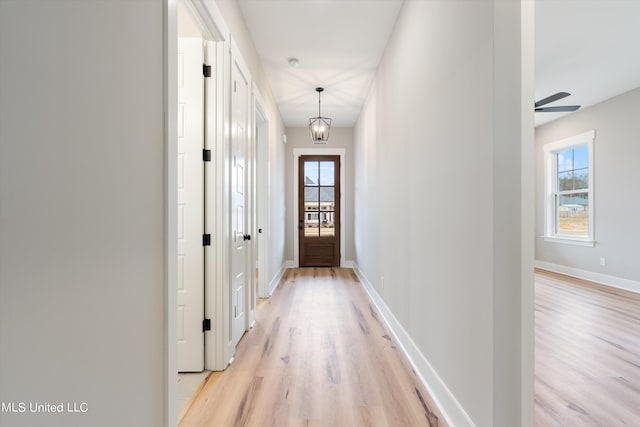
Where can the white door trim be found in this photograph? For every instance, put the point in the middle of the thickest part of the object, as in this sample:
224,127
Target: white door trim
170,108
297,152
216,256
527,226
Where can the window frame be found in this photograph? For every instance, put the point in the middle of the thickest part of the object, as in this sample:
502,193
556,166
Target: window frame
551,192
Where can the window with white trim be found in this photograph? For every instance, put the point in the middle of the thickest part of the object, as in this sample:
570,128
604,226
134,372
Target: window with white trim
569,190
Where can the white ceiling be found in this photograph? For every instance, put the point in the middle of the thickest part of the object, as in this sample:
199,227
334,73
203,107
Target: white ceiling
589,48
339,44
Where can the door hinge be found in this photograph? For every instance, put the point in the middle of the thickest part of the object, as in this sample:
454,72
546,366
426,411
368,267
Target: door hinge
206,70
206,325
206,240
206,155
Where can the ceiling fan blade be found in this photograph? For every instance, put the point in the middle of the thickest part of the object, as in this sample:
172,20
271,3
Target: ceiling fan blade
552,98
557,109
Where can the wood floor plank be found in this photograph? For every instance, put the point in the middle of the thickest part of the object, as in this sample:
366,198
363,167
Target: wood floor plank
587,353
319,355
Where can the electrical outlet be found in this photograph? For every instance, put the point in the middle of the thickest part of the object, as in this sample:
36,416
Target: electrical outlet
603,262
382,282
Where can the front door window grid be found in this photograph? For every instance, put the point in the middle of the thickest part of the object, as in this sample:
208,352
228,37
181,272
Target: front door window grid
319,198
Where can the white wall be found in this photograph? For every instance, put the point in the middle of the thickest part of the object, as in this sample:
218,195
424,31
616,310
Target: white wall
338,138
437,198
277,226
616,176
276,169
82,211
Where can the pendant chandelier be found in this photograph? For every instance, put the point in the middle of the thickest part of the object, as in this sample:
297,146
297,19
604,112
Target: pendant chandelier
319,126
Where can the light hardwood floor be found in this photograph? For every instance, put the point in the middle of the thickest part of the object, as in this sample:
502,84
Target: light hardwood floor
319,355
587,354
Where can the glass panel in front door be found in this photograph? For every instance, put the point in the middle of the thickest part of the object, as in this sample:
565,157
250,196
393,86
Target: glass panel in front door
327,174
319,198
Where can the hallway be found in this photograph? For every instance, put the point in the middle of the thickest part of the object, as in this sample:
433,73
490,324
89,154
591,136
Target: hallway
433,211
319,355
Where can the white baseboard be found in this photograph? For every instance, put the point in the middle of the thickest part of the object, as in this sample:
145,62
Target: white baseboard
347,264
451,409
290,264
273,284
603,279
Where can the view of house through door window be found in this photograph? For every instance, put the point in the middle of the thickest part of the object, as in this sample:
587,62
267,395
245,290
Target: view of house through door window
319,210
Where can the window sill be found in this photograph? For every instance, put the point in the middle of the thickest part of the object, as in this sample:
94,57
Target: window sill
570,241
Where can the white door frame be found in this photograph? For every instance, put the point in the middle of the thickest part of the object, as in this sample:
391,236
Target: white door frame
216,256
170,108
527,226
261,189
311,151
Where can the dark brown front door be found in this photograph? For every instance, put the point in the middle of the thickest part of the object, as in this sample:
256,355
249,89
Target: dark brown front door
319,211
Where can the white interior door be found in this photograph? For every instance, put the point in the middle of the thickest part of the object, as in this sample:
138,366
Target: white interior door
190,205
262,153
239,197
